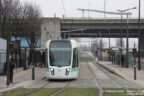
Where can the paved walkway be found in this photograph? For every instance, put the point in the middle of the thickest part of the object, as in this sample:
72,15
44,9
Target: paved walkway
21,78
127,73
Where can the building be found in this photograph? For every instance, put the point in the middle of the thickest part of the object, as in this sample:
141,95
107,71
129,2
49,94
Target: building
3,48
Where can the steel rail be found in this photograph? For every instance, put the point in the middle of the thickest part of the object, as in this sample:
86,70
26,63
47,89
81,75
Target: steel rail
36,90
113,78
99,85
61,90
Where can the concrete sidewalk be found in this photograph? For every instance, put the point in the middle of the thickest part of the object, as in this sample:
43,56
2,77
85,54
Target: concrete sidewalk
127,73
22,78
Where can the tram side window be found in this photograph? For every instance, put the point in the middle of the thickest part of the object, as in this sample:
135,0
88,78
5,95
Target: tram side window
75,58
46,58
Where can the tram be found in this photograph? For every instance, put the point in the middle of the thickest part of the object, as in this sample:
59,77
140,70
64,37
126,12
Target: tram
62,59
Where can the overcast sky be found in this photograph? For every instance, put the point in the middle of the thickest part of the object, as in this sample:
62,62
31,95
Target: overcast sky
49,7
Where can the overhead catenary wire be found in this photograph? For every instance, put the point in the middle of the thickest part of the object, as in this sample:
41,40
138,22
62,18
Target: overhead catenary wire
63,7
106,12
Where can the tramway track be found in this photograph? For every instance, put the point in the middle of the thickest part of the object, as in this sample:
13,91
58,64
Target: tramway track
97,81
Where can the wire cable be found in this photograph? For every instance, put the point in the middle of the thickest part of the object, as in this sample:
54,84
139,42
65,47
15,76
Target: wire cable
63,6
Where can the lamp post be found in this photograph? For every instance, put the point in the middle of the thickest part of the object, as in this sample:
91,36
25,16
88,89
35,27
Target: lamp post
121,11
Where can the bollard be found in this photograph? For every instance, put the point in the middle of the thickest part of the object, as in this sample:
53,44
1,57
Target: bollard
25,60
33,75
33,69
134,55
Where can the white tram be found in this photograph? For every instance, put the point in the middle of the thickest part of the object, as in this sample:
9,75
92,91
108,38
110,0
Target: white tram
62,59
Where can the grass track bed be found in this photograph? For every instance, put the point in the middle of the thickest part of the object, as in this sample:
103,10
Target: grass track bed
80,92
72,92
48,91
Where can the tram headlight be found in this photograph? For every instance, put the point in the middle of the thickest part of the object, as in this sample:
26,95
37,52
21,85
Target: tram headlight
52,71
67,71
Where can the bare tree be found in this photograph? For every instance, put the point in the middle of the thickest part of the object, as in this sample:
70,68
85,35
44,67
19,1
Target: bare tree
25,16
19,20
8,8
31,16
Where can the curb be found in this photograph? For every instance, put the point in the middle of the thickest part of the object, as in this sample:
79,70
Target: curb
22,84
112,70
16,86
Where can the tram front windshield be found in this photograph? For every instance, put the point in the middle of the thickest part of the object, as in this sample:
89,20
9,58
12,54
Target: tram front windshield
60,53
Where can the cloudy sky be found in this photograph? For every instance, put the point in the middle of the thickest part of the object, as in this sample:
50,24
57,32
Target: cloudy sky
69,7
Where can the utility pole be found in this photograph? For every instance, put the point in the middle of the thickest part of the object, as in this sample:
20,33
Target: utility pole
88,11
104,8
121,41
121,11
83,14
139,39
127,48
109,45
7,61
100,46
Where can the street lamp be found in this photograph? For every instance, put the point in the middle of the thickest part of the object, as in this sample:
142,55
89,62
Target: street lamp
121,11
